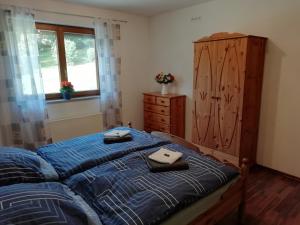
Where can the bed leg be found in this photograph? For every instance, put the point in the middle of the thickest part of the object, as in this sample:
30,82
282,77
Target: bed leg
244,174
241,212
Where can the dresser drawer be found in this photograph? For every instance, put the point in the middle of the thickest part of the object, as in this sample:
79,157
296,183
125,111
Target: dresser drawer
147,129
157,109
164,113
158,118
162,128
149,99
149,126
162,101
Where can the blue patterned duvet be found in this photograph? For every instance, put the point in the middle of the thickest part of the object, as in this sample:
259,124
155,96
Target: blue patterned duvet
43,204
123,191
78,154
107,184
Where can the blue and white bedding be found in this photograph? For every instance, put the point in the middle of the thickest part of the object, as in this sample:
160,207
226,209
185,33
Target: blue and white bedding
43,203
78,154
22,166
103,184
124,191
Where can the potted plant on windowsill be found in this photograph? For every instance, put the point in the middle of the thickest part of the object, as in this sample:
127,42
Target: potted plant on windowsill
66,90
164,80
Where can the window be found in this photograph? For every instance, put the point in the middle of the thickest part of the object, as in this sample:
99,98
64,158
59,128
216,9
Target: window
67,54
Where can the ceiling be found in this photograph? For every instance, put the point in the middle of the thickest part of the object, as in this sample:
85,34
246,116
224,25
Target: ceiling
141,7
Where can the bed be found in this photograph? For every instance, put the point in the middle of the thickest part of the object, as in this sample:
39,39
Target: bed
83,181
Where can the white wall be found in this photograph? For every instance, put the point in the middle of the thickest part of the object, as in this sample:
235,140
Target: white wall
172,35
134,53
168,43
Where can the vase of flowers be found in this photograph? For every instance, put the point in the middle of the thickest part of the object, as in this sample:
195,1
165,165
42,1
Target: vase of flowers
164,80
66,90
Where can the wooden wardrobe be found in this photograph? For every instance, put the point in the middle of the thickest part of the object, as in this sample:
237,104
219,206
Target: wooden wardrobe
228,74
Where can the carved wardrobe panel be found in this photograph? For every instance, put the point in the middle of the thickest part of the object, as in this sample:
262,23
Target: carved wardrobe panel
228,70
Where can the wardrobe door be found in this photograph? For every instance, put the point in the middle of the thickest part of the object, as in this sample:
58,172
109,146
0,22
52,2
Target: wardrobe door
229,93
203,104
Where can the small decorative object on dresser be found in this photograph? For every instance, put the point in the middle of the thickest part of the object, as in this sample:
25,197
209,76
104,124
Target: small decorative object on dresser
164,80
66,90
164,113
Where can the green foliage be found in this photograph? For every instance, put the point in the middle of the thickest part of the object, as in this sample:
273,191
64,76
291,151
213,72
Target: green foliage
80,49
66,87
47,49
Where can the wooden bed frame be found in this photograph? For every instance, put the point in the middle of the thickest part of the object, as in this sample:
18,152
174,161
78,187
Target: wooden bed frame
232,199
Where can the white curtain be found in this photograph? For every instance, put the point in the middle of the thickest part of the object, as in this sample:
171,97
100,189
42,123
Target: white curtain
108,54
23,114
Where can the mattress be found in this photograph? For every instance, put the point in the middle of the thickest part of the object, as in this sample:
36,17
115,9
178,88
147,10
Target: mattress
190,213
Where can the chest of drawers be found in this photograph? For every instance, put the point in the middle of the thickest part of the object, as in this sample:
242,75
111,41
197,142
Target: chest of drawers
165,113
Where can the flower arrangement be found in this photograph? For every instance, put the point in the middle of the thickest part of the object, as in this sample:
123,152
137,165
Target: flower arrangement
164,78
66,90
66,87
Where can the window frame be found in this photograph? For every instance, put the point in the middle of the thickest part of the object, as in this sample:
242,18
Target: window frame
63,72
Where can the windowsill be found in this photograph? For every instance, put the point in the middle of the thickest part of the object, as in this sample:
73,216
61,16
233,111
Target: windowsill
75,99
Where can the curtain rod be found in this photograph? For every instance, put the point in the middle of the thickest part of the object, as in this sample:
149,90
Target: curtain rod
70,14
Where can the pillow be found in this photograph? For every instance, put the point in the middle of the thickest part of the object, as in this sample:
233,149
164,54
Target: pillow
44,203
22,166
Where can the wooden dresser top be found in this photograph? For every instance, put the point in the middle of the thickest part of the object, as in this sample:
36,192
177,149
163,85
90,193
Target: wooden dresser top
158,94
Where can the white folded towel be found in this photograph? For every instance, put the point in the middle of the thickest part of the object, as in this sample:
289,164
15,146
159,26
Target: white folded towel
164,155
116,133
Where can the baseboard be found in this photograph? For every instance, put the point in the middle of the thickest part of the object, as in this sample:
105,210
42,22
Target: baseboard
281,173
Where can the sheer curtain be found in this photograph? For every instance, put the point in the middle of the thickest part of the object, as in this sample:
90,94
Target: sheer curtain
108,54
23,112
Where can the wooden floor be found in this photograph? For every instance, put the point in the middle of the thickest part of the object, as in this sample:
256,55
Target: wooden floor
272,199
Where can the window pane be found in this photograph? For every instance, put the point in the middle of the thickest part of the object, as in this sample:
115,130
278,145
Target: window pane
48,56
81,63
